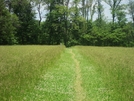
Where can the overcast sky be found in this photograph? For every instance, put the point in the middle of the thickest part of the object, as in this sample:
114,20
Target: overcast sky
107,12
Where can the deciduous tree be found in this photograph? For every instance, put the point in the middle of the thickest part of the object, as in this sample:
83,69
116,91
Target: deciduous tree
114,4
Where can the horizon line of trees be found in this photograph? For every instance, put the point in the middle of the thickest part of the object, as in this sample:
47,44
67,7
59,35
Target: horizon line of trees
67,21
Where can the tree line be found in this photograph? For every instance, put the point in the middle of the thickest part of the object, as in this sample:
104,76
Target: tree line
66,21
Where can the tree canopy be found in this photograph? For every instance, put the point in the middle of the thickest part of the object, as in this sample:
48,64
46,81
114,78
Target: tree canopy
69,22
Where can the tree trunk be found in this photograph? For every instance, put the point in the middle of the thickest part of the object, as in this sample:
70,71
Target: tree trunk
40,18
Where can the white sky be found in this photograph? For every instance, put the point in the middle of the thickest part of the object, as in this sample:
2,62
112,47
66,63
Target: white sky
107,12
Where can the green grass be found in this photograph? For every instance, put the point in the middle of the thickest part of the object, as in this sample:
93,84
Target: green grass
21,68
48,73
110,75
58,83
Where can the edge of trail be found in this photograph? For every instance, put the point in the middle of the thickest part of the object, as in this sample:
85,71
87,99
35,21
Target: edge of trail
80,94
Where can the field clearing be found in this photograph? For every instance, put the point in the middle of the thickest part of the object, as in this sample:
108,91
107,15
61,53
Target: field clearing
21,68
56,73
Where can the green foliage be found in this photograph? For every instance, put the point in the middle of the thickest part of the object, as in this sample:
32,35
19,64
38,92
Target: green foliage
7,26
66,22
131,9
55,26
121,15
27,29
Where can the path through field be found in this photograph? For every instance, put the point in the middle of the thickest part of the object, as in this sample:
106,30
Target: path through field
80,94
56,73
72,78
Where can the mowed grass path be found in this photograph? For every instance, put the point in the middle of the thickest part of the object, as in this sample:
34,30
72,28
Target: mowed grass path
85,74
58,83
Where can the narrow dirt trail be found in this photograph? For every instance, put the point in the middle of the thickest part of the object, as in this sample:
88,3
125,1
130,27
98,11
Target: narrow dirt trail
80,94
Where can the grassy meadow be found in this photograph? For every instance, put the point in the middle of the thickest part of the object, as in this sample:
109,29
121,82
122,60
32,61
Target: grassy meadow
56,73
114,68
21,68
57,84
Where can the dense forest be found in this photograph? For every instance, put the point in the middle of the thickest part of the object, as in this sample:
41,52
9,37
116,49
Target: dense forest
70,22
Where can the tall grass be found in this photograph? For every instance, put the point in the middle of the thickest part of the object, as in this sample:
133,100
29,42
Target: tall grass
57,84
115,65
21,68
